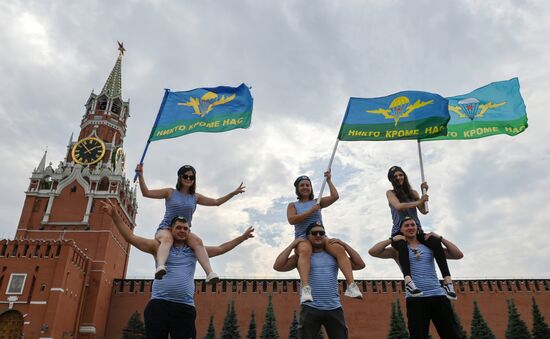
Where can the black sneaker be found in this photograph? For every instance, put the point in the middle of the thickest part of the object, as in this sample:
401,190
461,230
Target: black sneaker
450,291
160,272
413,290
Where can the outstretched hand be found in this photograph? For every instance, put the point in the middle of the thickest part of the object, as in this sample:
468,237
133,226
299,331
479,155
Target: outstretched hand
240,189
139,168
249,233
108,207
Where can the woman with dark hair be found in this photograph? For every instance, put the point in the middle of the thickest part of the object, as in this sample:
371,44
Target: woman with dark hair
404,203
303,213
182,201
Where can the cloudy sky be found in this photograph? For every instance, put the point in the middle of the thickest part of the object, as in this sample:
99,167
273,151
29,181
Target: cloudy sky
303,61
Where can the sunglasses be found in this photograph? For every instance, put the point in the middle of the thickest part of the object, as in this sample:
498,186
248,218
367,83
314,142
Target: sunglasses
317,233
187,177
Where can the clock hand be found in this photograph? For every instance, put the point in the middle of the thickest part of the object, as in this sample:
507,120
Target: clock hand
91,149
87,150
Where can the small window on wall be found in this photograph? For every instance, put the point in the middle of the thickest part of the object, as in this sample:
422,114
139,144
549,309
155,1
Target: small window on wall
16,283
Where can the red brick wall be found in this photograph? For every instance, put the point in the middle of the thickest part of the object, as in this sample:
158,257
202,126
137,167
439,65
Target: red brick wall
366,319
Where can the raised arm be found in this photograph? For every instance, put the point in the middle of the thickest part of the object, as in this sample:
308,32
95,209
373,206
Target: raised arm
327,201
357,262
162,193
231,244
294,218
418,203
286,262
382,250
143,244
206,201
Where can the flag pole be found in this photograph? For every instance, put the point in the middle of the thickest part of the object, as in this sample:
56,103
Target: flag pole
422,171
166,92
328,168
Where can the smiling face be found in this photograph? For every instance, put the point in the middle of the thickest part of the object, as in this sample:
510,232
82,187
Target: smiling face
187,179
408,228
316,237
399,177
304,189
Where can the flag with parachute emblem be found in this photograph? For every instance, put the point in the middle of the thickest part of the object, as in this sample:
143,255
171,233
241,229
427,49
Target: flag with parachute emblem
400,116
217,109
496,108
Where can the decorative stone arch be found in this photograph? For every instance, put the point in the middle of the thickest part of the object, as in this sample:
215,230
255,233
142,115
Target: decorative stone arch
75,175
11,324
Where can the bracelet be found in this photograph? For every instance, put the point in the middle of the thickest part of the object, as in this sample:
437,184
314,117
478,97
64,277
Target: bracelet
391,240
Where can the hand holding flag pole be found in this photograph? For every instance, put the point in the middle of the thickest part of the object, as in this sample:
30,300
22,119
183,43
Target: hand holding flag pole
328,169
424,190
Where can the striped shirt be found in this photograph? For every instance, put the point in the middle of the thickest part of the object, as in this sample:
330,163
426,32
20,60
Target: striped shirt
178,285
423,272
323,279
301,207
178,205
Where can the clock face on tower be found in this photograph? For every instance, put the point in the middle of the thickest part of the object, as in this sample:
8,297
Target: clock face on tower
88,151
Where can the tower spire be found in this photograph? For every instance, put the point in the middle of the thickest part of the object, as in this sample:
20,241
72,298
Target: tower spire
42,164
113,85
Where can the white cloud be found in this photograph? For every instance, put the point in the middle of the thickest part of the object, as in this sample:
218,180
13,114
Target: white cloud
303,62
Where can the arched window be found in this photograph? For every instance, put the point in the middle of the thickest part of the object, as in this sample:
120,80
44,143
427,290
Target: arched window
103,184
116,107
46,183
102,103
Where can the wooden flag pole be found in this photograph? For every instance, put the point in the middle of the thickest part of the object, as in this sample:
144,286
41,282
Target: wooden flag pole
422,171
328,168
166,92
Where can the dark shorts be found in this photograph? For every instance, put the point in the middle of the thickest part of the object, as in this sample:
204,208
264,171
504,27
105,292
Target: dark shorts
311,320
163,318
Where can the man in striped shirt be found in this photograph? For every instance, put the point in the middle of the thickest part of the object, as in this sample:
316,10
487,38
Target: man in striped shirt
434,304
171,310
325,309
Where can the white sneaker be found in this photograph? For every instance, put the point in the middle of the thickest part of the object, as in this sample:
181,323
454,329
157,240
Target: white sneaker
413,290
306,294
212,278
450,291
160,272
353,291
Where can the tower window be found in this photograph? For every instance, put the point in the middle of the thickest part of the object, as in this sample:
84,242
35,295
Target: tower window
102,104
73,189
103,184
116,107
46,183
